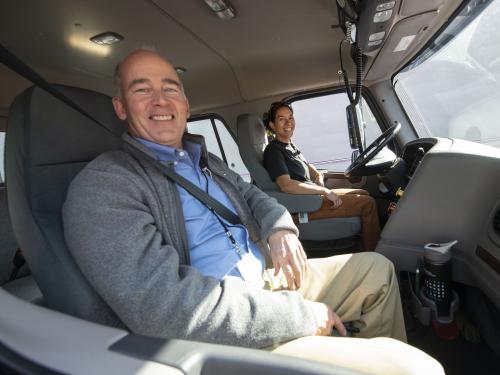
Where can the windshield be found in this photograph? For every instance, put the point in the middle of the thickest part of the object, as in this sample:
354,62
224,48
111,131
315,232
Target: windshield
453,88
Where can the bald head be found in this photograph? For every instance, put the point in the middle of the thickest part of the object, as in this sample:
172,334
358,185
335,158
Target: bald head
137,55
151,98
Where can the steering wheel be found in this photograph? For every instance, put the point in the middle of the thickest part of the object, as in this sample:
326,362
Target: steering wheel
371,151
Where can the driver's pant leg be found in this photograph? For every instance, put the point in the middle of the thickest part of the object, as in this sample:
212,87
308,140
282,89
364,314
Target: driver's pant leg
377,356
354,205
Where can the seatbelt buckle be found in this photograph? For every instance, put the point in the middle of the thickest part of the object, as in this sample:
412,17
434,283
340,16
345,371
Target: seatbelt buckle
303,217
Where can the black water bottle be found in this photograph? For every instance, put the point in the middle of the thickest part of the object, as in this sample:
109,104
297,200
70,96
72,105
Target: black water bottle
437,275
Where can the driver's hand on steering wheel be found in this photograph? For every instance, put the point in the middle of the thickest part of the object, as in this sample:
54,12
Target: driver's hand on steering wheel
336,201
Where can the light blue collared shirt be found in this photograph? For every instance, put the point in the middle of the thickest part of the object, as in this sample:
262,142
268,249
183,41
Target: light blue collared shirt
210,249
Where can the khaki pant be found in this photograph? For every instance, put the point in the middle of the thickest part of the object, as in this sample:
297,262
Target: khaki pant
361,288
355,202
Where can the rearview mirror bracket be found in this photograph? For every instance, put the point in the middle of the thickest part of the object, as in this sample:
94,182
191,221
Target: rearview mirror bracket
355,127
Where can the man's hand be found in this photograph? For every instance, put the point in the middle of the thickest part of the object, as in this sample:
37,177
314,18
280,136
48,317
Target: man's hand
326,319
287,254
336,201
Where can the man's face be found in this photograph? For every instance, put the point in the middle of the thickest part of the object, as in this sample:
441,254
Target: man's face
152,99
284,124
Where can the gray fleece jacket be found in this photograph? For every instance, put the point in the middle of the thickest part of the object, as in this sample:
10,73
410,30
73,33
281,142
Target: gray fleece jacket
124,225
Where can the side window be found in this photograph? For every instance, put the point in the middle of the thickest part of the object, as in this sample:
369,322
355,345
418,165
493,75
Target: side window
321,130
2,153
220,142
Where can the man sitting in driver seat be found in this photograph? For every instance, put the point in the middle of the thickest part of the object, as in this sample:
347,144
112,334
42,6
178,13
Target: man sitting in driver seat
293,174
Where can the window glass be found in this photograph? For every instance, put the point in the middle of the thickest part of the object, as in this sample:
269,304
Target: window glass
453,88
321,131
204,127
2,153
372,128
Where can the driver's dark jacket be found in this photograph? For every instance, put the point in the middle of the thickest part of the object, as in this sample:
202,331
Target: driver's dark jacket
124,225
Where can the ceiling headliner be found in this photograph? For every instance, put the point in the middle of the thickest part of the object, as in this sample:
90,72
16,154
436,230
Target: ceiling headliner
272,47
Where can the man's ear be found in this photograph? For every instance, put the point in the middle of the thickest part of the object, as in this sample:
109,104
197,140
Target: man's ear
119,108
187,109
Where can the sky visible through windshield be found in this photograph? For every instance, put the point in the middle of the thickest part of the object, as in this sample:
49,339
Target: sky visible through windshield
455,93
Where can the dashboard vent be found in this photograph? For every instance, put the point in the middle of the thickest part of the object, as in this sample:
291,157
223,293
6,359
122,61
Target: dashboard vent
496,222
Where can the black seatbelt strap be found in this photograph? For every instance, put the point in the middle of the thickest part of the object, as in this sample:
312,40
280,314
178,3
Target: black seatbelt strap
18,66
211,203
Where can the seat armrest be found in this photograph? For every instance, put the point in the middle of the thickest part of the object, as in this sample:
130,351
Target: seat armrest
296,202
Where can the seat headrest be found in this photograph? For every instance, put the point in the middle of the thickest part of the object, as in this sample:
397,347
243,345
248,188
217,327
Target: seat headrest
58,133
254,132
252,140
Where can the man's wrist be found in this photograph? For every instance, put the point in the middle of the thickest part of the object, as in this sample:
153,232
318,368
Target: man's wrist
285,231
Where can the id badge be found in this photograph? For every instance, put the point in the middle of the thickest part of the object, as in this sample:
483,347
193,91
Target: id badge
251,270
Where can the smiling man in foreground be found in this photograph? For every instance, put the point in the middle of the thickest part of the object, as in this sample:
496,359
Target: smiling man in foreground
169,266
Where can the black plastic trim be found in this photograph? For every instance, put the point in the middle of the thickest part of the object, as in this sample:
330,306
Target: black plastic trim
496,222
